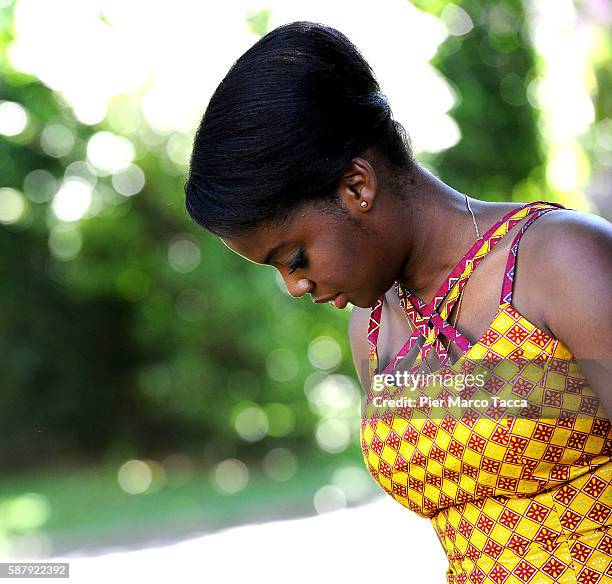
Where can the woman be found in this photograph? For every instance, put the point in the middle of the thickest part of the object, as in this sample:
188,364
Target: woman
298,163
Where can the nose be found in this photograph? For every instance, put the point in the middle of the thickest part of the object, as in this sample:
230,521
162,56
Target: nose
299,287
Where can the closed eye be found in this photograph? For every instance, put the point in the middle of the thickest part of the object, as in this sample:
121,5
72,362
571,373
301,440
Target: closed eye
299,261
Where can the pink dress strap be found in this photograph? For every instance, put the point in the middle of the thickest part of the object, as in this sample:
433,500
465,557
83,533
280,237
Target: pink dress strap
508,281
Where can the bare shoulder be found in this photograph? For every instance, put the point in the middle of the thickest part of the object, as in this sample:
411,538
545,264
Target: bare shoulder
570,260
576,223
567,242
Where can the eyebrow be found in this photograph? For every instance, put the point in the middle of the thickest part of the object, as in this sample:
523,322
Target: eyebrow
272,253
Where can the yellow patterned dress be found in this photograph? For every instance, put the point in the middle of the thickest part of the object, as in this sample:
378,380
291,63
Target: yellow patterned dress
516,495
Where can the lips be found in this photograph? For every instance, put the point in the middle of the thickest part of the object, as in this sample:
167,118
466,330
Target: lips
321,299
340,300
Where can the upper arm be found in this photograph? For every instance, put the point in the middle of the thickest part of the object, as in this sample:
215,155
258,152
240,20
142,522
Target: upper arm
575,263
358,336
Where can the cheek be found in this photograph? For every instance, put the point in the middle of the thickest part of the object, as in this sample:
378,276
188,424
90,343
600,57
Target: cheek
356,267
335,264
347,262
372,273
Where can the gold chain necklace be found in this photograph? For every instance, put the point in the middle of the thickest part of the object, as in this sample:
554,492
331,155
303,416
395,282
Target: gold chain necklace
454,325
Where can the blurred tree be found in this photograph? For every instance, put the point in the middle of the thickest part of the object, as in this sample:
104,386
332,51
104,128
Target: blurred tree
128,331
489,60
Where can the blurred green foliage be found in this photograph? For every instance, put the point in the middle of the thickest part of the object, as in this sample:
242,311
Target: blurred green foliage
152,337
499,156
114,350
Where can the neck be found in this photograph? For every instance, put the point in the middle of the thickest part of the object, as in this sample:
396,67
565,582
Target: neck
441,231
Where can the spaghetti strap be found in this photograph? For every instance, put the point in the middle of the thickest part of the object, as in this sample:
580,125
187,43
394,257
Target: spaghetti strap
509,272
429,320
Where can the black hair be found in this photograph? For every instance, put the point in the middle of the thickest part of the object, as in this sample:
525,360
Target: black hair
283,125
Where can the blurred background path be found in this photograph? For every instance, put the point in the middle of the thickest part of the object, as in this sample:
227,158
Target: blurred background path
359,545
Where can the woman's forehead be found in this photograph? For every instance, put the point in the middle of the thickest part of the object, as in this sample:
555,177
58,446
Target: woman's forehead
260,246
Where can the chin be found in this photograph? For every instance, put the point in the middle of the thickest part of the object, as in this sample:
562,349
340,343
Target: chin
362,302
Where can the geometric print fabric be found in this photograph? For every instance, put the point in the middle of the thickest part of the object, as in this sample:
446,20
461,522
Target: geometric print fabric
513,498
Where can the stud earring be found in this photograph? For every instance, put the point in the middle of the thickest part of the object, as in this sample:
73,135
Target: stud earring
364,204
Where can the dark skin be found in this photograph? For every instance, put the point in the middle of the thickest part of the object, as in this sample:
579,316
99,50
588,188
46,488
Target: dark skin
564,263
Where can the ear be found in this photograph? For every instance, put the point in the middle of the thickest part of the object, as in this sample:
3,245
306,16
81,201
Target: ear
358,183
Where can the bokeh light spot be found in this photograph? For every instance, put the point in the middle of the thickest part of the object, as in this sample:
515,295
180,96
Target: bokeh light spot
332,435
25,512
56,140
251,423
65,241
83,170
329,498
230,476
191,305
12,205
109,153
281,419
72,200
40,185
324,353
179,148
280,464
183,255
13,118
354,481
135,477
282,365
456,20
129,181
332,394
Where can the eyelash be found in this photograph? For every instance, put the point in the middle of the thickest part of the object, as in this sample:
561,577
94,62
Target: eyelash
298,262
